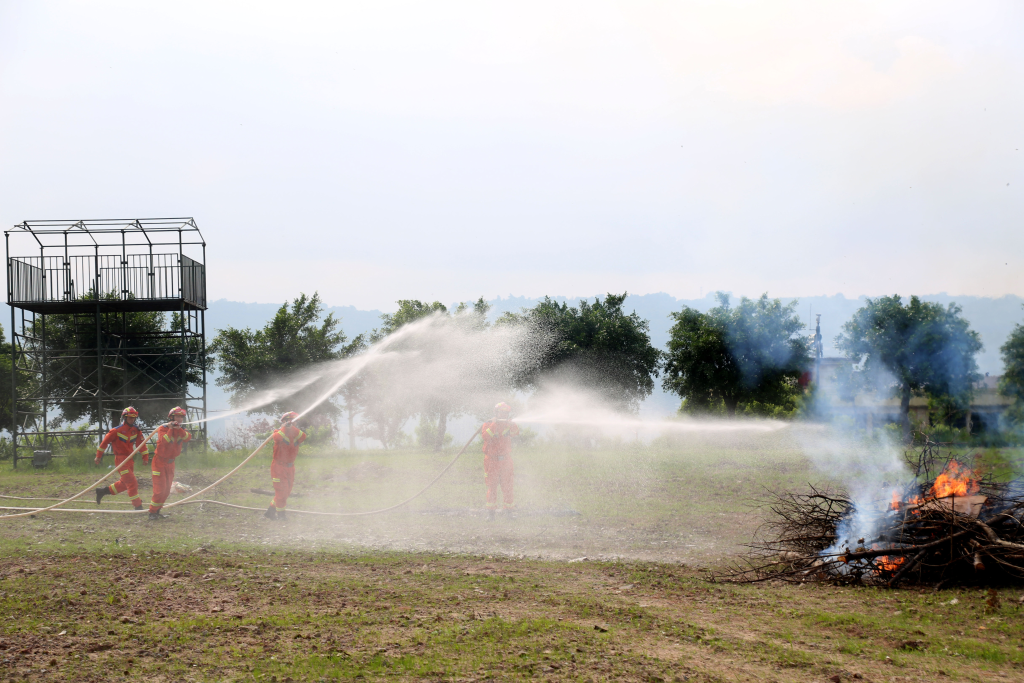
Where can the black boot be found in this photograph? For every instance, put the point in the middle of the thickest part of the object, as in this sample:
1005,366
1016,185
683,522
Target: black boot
100,492
280,516
490,515
271,513
156,516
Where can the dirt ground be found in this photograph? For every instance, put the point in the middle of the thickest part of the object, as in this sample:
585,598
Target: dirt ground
240,615
601,576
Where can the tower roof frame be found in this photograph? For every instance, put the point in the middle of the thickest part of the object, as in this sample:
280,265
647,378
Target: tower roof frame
132,264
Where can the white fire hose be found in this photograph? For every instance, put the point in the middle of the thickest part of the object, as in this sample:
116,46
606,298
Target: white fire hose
190,500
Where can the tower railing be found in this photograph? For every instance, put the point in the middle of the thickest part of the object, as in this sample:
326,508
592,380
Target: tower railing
138,277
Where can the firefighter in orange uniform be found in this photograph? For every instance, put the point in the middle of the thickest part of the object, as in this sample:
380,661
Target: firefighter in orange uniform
123,440
170,438
498,470
282,468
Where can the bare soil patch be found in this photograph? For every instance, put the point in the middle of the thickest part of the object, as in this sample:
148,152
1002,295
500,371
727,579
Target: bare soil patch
242,614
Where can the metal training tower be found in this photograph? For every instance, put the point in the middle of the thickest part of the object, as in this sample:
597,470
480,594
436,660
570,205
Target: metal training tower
90,330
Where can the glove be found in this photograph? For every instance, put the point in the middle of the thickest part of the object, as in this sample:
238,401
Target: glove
99,457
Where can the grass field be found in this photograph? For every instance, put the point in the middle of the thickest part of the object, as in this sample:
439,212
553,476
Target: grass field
437,592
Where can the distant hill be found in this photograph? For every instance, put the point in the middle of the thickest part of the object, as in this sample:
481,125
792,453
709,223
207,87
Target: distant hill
993,318
223,313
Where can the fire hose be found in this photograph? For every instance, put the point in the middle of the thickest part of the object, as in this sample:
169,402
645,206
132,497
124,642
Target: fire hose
85,491
189,500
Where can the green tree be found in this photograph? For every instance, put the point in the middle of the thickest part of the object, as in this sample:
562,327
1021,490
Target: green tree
1012,383
6,370
409,310
384,411
473,315
924,347
254,361
746,358
146,361
597,346
350,393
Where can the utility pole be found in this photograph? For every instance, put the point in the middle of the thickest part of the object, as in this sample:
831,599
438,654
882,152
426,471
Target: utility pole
817,349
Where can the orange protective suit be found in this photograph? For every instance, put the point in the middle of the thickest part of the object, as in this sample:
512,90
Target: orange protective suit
169,440
282,468
498,470
123,439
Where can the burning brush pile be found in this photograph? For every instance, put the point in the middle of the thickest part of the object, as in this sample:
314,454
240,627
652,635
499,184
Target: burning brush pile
958,527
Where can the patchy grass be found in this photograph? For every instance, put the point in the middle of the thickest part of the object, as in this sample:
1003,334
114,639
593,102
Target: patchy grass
243,615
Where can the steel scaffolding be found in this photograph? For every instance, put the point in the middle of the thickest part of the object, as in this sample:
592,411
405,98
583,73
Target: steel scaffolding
90,334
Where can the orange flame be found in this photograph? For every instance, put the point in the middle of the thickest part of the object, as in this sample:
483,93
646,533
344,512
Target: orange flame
897,501
955,480
891,564
887,563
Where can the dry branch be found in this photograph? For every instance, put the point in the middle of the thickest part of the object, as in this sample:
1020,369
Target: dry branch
973,536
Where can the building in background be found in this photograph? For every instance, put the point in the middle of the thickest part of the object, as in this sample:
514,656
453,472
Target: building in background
838,398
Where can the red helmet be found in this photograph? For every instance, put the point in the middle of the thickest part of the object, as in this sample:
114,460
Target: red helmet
129,412
289,416
502,409
177,410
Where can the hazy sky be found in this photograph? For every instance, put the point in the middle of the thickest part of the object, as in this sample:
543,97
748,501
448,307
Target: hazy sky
432,150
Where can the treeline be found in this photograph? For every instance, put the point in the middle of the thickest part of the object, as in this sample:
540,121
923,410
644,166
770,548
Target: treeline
750,357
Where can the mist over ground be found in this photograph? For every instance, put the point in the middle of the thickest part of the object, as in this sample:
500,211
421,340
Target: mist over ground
596,476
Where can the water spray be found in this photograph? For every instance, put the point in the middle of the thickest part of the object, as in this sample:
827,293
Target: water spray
299,381
376,350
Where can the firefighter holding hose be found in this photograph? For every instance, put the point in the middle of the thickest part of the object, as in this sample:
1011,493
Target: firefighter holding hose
170,438
282,468
123,440
498,471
